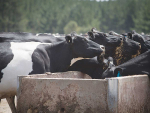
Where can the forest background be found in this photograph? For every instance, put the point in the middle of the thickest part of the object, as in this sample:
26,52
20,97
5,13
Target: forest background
64,16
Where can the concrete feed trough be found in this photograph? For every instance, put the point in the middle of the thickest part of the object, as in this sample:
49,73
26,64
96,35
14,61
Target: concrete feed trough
80,94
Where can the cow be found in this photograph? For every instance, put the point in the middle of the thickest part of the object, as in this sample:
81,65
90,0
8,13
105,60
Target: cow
129,50
114,33
112,43
94,67
119,47
25,58
28,37
135,66
146,37
145,44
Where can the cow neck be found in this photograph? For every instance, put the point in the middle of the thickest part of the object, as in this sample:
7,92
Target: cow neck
138,65
60,56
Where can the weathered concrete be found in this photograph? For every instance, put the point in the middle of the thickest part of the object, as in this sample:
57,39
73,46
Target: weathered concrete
134,94
43,94
130,94
53,95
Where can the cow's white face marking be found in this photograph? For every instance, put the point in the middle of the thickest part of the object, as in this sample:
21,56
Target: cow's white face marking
21,64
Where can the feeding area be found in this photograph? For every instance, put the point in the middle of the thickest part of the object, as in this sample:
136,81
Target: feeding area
75,56
77,93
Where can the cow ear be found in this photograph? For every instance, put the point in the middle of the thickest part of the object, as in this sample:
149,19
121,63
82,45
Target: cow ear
68,39
130,35
105,35
93,29
91,35
118,72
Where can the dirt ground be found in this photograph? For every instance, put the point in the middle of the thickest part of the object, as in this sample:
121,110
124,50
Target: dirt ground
4,107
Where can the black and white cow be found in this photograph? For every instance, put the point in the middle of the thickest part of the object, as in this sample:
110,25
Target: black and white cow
23,58
135,66
94,67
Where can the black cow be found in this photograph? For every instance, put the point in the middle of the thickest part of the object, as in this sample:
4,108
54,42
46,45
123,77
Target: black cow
114,33
129,50
94,67
28,37
23,58
112,43
135,66
145,44
117,46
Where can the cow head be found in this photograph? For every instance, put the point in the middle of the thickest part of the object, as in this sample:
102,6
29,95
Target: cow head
98,37
104,38
83,47
139,38
130,46
135,66
136,37
112,71
109,41
114,33
130,49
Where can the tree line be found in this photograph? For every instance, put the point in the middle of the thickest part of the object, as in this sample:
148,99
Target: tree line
64,16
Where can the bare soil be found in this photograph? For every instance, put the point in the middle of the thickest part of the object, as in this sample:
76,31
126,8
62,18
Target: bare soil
4,107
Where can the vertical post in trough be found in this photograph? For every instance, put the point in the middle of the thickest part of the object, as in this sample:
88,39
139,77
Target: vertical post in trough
112,94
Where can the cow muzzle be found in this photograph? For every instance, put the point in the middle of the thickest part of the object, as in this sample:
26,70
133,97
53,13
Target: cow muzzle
102,47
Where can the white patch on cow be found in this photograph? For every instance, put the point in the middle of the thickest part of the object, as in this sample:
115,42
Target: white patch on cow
102,47
43,33
37,34
56,35
111,62
21,64
105,61
76,59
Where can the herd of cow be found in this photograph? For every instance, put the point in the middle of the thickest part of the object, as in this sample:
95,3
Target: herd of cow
109,54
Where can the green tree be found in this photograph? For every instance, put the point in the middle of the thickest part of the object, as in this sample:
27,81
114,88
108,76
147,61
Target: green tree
142,17
71,26
9,15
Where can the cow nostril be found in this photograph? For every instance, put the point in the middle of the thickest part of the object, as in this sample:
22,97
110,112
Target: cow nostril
103,48
62,110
